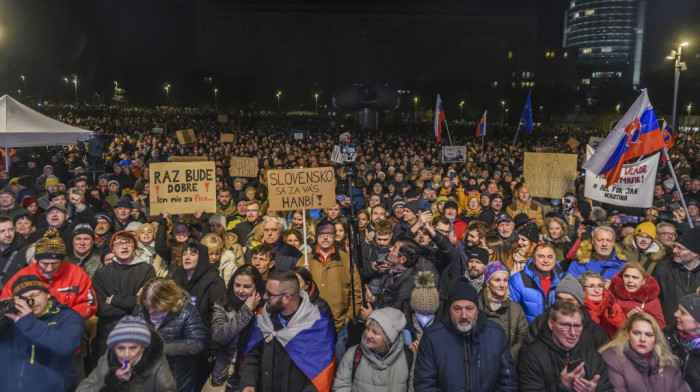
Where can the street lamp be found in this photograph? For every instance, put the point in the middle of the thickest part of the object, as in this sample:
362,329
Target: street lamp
167,94
75,83
279,93
415,109
689,108
316,96
617,109
24,88
678,67
216,100
461,118
67,90
503,111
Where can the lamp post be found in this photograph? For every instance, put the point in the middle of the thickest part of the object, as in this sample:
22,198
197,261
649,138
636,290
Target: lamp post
617,109
461,118
279,93
167,95
689,108
24,87
316,106
503,111
75,84
678,67
216,100
415,109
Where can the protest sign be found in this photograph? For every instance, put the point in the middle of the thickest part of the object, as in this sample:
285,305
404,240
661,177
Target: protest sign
226,138
158,128
222,118
299,134
244,167
182,187
544,149
186,136
301,189
187,158
635,188
454,154
549,175
573,143
595,142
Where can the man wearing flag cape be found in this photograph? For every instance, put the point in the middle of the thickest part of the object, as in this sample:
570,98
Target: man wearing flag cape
292,345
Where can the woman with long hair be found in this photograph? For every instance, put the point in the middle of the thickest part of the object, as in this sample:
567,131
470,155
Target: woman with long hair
341,235
232,323
554,232
224,260
639,359
497,248
170,249
524,247
294,238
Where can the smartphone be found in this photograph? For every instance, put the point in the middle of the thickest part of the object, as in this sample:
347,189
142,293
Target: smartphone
629,219
573,364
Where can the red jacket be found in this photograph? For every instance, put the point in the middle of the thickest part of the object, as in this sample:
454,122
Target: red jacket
460,227
70,285
607,313
647,298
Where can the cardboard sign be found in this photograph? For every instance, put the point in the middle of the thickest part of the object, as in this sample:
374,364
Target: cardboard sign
183,187
189,158
222,118
299,134
158,128
549,175
186,136
301,189
226,138
454,154
573,143
635,188
595,142
244,167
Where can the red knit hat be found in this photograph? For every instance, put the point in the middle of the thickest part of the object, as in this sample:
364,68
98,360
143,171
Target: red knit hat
130,234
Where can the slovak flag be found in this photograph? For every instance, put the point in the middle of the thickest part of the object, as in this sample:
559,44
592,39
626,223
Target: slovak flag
669,135
439,118
481,129
636,135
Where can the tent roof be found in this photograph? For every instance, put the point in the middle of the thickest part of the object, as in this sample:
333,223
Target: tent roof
21,126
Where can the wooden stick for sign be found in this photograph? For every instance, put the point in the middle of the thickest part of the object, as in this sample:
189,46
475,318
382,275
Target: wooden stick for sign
306,252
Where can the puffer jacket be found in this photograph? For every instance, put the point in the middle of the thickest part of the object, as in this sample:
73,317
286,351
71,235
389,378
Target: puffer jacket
388,373
542,362
526,289
184,340
511,317
584,262
90,263
607,313
530,208
440,364
150,373
649,258
631,372
689,360
675,282
646,298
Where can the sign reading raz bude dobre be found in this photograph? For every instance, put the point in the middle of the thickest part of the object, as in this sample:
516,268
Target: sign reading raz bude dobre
549,175
183,187
454,154
301,189
635,188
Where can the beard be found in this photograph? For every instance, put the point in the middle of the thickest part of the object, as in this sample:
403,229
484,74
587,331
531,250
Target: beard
274,308
463,325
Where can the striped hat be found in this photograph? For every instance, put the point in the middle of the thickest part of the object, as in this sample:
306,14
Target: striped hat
50,246
130,329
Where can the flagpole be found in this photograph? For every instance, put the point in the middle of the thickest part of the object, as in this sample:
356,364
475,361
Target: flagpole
448,132
678,187
516,138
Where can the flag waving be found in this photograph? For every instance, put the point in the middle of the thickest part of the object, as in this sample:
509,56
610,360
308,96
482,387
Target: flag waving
481,129
669,135
636,135
439,118
526,118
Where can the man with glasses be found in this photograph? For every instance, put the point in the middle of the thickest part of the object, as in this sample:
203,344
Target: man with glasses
38,339
278,356
285,256
117,285
252,218
643,246
666,234
680,276
375,248
558,361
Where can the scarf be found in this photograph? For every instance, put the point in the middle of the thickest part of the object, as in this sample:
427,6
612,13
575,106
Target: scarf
477,283
394,272
688,342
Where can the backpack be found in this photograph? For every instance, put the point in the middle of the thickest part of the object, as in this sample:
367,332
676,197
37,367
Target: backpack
408,354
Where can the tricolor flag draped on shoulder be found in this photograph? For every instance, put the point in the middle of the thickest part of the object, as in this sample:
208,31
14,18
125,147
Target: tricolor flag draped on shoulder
481,128
637,134
439,118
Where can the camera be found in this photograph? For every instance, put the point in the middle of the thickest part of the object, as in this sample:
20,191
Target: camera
7,306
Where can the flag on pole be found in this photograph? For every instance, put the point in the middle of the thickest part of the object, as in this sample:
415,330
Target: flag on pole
669,135
636,135
481,129
526,118
439,118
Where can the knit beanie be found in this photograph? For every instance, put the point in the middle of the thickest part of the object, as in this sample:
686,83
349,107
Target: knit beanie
103,216
691,240
450,204
130,329
569,285
492,268
480,254
218,218
52,180
424,297
25,283
50,246
461,289
391,320
132,235
133,226
530,231
647,228
83,228
691,303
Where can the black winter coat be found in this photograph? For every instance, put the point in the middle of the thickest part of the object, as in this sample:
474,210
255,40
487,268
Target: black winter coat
12,259
286,256
398,294
675,282
689,361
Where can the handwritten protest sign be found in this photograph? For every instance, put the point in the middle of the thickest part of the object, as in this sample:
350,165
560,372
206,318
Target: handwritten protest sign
301,189
573,143
635,188
226,138
182,187
244,167
222,118
454,154
188,158
549,175
186,136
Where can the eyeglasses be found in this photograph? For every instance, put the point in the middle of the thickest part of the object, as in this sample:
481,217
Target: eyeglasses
123,244
44,264
443,232
594,286
669,234
269,294
568,327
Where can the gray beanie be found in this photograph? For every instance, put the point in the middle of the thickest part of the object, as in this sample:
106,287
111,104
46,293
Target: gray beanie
691,303
571,286
219,219
391,320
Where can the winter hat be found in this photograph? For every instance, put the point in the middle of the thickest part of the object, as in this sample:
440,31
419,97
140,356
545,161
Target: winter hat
113,182
132,235
83,228
391,320
411,194
124,203
50,246
492,268
26,181
647,228
569,285
413,206
103,216
495,196
130,329
691,240
52,180
521,219
25,283
398,201
530,231
461,289
218,218
424,297
56,205
504,217
478,253
133,227
451,204
691,303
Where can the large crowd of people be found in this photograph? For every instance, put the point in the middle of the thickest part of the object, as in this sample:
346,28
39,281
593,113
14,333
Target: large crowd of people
422,276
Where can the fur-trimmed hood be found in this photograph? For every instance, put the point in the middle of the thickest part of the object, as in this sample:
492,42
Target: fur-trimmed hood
648,292
656,250
585,252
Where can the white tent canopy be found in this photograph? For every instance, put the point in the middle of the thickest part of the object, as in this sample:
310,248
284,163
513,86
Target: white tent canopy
21,126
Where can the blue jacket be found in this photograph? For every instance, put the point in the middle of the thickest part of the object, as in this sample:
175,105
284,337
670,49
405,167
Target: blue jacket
37,353
606,268
526,289
441,352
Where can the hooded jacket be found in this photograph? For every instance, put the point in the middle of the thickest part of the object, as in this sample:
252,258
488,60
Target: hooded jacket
607,313
689,360
649,258
634,373
675,282
37,352
646,298
286,255
584,261
526,289
511,317
440,363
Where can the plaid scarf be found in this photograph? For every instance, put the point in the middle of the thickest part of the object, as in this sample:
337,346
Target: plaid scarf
99,241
